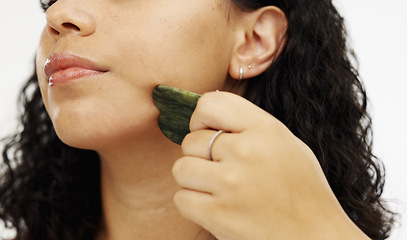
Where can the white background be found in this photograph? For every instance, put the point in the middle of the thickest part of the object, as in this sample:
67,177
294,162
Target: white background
377,31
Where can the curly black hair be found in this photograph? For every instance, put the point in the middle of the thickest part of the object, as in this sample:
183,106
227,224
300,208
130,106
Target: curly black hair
49,190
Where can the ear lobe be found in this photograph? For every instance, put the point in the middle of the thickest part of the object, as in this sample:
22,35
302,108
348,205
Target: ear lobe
264,32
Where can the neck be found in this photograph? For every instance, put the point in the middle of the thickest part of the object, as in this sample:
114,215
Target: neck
137,193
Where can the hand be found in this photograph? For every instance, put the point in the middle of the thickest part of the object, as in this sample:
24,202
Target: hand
263,182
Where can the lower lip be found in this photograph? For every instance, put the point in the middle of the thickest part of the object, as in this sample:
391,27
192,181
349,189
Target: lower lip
70,74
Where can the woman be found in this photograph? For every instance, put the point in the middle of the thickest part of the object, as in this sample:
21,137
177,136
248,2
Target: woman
90,161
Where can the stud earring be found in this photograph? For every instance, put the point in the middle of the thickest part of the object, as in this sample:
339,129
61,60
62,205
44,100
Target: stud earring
240,73
249,67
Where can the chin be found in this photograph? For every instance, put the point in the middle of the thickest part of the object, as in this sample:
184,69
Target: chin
97,121
79,137
102,133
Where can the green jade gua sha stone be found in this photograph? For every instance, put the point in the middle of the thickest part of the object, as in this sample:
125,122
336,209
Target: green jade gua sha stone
176,107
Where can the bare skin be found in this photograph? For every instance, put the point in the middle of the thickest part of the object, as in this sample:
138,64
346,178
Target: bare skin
137,45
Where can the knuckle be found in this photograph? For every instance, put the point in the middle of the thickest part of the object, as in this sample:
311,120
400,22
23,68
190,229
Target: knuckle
179,201
206,98
207,102
275,126
191,144
178,167
204,103
231,180
186,143
242,149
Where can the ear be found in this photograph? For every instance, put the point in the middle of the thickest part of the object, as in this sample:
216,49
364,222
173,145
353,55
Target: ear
260,36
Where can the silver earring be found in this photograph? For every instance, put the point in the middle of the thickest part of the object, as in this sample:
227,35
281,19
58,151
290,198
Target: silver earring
241,73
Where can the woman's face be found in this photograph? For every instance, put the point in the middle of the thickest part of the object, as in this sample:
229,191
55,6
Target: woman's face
105,57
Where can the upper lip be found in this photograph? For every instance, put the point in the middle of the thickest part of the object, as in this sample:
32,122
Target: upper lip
62,61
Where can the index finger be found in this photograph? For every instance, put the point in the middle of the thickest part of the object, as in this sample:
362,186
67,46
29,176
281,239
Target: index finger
225,111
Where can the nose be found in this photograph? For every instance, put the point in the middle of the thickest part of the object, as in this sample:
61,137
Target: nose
65,17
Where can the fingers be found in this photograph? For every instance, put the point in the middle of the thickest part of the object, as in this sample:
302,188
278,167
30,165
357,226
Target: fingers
225,111
196,174
194,205
201,143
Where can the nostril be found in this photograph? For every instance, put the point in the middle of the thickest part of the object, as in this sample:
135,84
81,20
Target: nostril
53,31
71,26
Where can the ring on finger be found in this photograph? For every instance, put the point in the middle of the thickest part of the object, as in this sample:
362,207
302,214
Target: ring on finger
211,143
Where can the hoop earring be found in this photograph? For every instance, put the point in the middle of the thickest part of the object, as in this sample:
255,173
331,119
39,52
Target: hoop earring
240,73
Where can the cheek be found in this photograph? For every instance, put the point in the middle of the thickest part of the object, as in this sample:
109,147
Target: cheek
180,48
